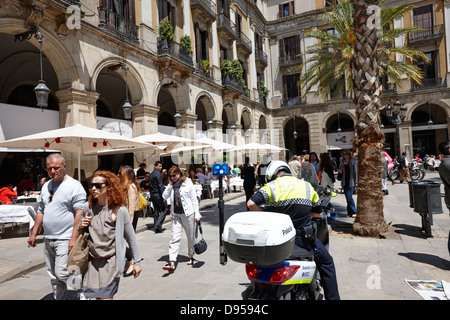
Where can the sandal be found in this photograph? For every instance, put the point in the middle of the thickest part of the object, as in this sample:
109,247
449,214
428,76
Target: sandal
190,262
169,267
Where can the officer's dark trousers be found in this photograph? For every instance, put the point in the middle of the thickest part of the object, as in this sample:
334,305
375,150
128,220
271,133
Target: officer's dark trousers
325,264
160,210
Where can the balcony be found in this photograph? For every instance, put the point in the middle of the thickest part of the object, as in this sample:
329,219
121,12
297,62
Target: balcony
226,28
172,54
431,34
389,88
428,84
260,59
233,85
118,25
206,73
290,60
206,9
243,44
292,101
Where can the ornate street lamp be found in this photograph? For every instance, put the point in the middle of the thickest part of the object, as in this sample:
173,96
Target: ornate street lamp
127,105
177,118
295,132
396,114
41,90
430,122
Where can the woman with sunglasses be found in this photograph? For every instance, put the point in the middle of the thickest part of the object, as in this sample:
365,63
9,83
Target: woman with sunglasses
184,213
110,231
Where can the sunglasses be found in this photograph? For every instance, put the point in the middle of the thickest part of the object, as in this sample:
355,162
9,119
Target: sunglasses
50,197
172,175
98,186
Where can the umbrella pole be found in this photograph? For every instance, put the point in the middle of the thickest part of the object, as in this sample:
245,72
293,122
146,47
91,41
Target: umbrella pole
79,161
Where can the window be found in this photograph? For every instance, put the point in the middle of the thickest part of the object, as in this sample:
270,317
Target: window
423,17
201,43
223,54
290,86
429,70
286,9
290,47
328,3
166,11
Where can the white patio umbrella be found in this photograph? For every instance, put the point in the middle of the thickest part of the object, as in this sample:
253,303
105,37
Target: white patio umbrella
255,146
164,141
203,145
77,138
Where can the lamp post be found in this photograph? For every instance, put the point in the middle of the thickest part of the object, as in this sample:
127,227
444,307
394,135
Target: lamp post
396,114
127,105
41,90
295,132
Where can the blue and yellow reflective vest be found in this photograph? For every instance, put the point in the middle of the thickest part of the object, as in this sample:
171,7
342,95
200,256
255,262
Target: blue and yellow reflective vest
290,195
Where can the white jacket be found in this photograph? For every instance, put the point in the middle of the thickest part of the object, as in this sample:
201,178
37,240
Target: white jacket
188,199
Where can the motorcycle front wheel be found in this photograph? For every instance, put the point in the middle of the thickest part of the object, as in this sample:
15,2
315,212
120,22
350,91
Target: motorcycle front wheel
415,174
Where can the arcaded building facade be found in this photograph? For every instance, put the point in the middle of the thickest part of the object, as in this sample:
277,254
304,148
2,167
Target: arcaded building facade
98,52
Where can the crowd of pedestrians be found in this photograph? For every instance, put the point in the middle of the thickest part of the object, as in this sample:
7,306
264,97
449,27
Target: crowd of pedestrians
109,211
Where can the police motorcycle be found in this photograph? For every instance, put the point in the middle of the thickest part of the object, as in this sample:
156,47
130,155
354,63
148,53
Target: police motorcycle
265,242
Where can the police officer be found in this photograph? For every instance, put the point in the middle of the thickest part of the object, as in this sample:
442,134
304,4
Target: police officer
287,194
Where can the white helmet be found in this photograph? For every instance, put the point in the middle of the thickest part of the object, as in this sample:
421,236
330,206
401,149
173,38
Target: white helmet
275,167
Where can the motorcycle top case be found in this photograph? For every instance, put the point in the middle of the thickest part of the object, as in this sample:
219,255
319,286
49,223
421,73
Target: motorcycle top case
262,238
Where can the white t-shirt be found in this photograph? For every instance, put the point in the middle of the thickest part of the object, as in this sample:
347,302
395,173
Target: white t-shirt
59,214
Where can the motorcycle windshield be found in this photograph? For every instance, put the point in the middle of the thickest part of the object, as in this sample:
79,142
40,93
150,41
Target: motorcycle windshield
309,174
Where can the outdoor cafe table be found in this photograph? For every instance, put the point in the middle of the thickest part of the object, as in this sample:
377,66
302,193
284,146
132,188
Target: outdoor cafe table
198,189
214,184
236,182
13,213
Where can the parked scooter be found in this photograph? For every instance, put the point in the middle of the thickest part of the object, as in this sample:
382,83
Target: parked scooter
265,242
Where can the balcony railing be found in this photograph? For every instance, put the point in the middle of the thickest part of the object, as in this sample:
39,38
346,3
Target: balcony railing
290,60
293,101
226,26
207,7
430,33
244,43
232,82
428,84
175,51
389,88
117,24
261,57
205,72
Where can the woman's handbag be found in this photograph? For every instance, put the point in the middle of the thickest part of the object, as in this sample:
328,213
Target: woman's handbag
77,262
142,202
200,246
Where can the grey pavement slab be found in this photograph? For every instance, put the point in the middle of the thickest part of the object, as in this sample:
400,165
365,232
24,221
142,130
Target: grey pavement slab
367,268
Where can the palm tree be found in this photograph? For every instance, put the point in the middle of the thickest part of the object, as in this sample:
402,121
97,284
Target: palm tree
361,54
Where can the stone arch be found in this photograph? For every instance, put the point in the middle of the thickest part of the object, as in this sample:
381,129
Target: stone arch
179,93
59,57
136,85
208,103
444,106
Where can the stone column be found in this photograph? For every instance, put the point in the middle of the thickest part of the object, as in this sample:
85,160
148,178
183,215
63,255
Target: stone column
78,107
145,121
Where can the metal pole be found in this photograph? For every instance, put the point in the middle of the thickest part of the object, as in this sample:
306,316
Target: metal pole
397,132
223,254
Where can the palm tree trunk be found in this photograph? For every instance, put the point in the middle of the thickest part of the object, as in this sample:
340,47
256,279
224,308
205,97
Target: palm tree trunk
369,137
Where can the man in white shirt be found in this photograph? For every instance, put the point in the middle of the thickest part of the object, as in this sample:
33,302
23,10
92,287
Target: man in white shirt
60,209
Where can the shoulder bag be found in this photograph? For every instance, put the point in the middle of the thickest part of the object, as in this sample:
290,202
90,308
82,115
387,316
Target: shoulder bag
142,202
200,246
77,262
